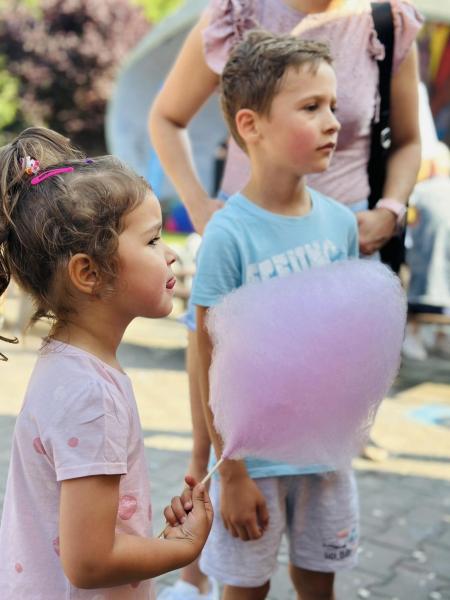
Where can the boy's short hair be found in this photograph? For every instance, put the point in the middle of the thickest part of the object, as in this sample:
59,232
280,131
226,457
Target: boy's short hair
253,73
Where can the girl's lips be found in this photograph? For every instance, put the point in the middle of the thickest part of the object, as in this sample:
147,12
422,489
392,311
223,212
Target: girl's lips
171,283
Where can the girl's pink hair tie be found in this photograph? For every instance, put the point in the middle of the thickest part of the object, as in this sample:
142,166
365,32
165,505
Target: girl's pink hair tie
51,173
30,165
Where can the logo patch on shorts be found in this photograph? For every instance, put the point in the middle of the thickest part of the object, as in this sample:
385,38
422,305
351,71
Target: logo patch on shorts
342,546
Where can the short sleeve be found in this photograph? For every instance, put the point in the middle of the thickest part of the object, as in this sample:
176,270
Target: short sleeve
88,431
407,24
229,20
219,269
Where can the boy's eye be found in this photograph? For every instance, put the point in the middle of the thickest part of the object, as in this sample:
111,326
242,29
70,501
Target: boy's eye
333,109
154,241
311,107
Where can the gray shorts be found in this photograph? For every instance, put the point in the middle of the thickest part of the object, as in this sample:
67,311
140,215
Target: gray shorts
320,515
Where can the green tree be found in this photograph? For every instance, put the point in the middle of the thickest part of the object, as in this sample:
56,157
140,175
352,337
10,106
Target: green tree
155,10
64,59
9,102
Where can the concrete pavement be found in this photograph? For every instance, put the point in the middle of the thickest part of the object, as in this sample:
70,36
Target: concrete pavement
405,499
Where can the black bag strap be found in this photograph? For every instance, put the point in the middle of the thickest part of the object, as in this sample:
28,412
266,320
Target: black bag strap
384,26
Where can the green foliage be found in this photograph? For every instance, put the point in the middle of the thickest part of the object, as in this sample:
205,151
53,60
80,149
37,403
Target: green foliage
155,10
63,61
9,88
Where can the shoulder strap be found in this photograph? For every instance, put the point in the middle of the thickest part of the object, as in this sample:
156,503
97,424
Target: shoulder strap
384,26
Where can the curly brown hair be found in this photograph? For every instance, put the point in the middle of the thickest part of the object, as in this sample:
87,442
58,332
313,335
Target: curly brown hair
42,226
255,68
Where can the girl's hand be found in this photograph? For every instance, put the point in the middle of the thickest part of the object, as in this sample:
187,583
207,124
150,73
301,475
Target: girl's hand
201,214
243,508
180,506
196,523
376,227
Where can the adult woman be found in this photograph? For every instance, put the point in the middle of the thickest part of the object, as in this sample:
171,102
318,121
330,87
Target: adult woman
347,25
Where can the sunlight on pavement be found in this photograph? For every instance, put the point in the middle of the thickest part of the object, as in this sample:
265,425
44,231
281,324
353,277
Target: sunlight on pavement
415,446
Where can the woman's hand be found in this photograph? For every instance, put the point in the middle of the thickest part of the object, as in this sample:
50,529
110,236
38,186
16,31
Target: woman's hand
376,227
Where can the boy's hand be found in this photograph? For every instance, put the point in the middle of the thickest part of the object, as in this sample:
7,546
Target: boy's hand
196,524
243,508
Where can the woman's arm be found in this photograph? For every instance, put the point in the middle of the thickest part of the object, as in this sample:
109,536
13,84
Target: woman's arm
93,555
189,84
376,227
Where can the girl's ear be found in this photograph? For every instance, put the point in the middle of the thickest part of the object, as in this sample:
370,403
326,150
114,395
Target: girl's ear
83,273
247,125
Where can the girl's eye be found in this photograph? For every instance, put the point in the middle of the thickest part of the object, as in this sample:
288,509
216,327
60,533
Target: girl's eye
333,109
154,241
311,107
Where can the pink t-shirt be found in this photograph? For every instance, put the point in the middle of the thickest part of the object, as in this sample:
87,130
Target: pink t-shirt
355,48
79,418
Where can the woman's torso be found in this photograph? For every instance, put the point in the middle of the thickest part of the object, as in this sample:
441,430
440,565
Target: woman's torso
355,49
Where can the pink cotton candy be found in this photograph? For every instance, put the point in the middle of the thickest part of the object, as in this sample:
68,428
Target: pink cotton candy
301,363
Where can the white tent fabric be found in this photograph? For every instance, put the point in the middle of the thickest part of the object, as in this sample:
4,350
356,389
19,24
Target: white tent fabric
137,85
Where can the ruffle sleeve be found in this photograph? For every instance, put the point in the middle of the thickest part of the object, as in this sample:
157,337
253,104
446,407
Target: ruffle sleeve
407,24
229,20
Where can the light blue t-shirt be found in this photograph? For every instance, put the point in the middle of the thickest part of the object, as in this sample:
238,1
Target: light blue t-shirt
244,242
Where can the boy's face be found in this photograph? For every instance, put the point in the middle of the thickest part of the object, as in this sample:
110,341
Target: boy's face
300,133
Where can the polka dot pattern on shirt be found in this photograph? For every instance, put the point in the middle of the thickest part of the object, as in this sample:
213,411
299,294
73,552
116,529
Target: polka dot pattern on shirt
38,445
127,507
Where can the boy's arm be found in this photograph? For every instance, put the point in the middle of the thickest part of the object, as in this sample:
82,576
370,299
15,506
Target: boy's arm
93,555
243,507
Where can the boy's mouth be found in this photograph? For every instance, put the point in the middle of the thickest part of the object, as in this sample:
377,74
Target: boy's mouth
329,146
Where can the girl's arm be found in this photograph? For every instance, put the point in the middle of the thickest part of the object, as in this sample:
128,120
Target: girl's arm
93,555
189,84
243,507
377,226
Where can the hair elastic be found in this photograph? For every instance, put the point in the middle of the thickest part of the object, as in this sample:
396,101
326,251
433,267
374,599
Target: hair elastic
30,165
51,173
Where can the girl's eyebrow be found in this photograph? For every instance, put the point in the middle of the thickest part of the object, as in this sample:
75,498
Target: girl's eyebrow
153,229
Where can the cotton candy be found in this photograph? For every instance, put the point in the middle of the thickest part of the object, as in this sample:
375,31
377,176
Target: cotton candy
301,363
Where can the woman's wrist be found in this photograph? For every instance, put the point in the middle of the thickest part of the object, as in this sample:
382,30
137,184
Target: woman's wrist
395,209
195,198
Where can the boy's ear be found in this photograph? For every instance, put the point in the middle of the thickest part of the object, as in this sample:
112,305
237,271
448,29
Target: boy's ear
247,125
83,273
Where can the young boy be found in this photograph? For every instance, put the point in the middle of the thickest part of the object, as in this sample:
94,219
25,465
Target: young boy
278,97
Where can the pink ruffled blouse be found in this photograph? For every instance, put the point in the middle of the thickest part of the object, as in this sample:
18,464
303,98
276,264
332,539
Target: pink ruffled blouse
355,47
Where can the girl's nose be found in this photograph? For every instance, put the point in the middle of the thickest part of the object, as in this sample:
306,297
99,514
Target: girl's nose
171,255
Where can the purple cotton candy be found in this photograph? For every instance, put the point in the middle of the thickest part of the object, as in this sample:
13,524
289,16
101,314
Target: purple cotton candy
301,363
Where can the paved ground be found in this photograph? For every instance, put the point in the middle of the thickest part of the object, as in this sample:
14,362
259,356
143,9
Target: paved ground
405,499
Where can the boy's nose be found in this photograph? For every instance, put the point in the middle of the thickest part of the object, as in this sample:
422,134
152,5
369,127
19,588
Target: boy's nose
334,124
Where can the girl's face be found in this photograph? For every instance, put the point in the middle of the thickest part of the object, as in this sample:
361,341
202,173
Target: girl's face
145,282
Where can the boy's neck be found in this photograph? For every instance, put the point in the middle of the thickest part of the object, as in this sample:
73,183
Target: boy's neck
93,331
282,195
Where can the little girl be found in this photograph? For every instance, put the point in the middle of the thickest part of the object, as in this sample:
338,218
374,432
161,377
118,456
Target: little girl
83,238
